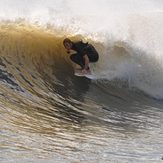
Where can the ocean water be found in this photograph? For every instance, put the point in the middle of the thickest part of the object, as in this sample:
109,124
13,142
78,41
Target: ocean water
49,115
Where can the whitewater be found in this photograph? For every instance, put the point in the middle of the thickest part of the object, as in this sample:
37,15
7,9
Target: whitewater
49,115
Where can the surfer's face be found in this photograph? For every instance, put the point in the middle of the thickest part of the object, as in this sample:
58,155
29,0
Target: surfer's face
68,45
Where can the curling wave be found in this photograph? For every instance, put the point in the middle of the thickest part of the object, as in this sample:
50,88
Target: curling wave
28,51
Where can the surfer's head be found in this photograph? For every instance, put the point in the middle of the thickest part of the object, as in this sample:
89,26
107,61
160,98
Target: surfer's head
67,43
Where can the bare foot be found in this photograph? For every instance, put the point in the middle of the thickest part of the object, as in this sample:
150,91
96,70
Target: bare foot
86,72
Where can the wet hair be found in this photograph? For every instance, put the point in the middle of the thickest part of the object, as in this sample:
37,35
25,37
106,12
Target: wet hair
66,40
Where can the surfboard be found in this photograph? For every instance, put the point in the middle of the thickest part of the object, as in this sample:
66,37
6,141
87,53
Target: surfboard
79,73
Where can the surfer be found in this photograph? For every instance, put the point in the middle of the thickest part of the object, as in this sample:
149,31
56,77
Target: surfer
86,53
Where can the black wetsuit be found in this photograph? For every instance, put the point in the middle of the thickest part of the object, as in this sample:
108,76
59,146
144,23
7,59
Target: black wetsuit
83,49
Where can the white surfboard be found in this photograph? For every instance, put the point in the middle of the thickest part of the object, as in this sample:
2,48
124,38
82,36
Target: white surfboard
80,74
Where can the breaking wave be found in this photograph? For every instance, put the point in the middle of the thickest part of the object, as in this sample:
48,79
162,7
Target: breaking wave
129,43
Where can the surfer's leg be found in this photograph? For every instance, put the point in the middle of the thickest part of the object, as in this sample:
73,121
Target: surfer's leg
92,54
77,59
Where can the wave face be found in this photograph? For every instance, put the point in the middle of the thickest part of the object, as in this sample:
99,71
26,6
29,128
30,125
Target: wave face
47,111
128,36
